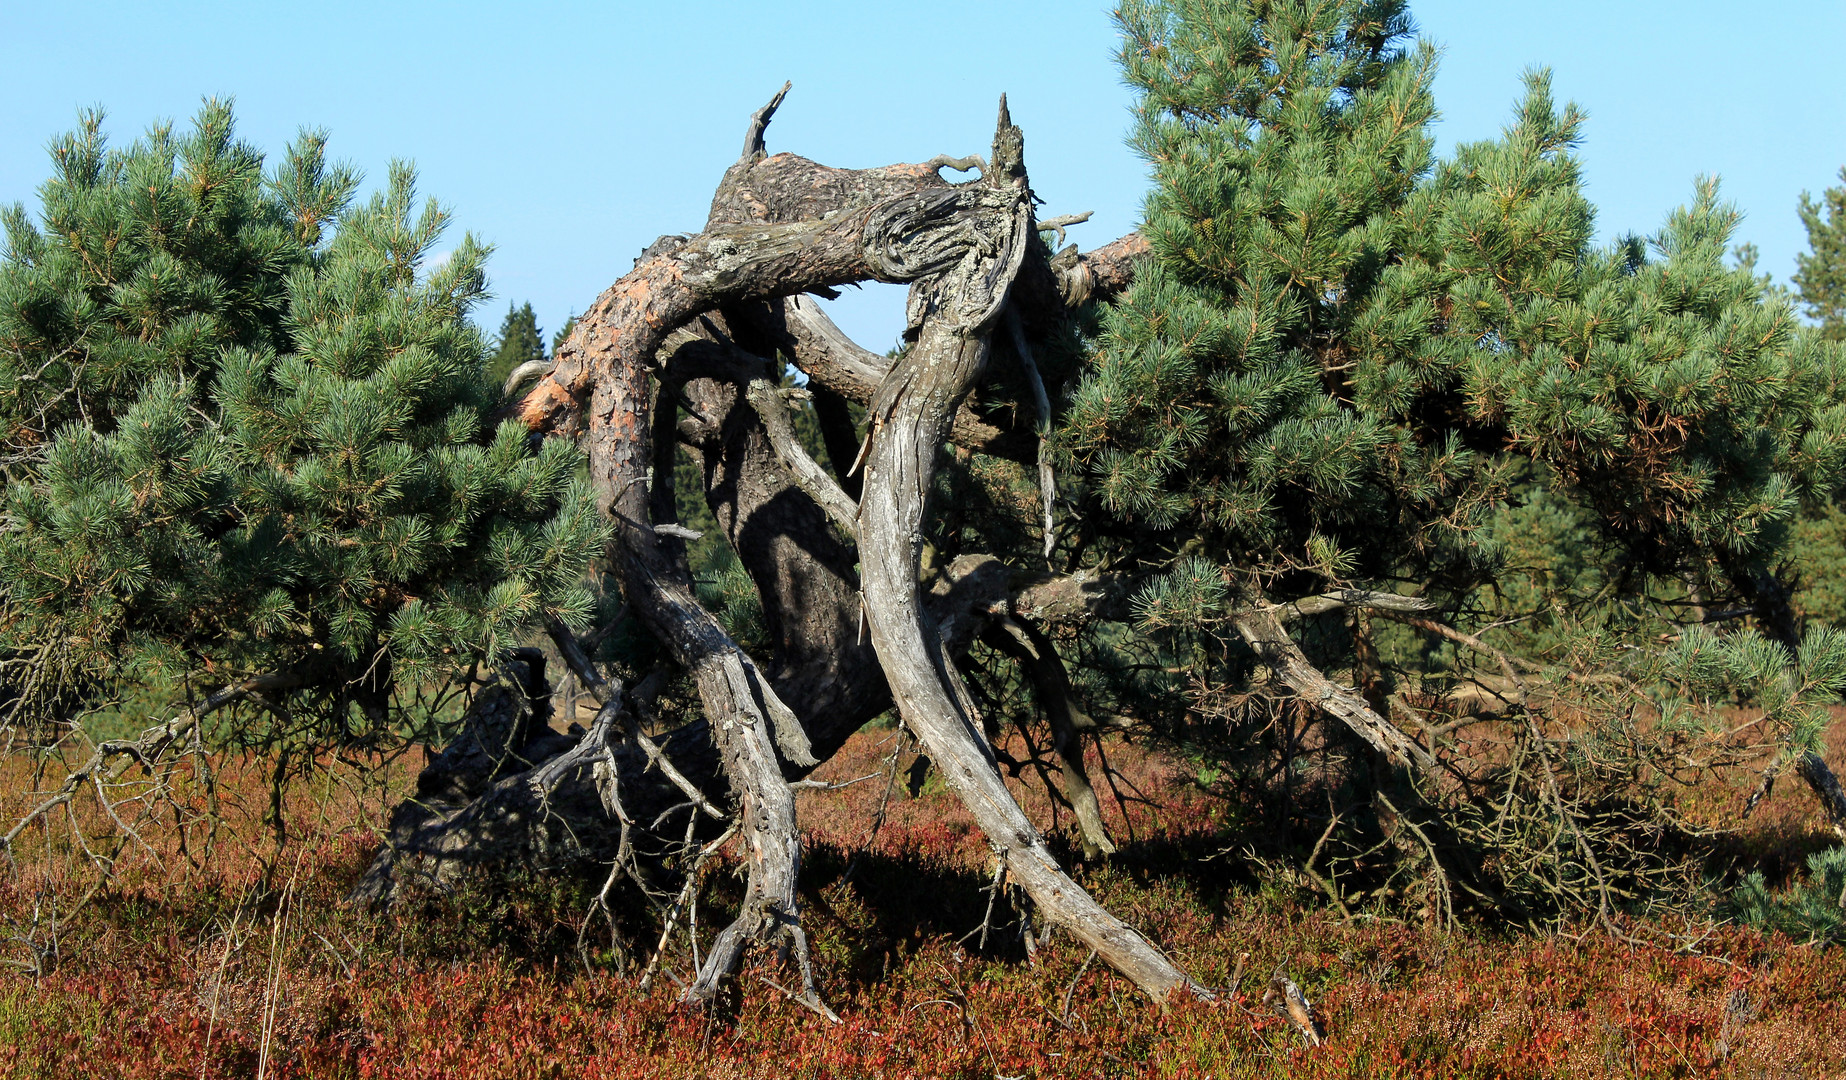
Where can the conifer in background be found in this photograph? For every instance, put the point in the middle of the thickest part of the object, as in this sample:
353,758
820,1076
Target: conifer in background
558,339
247,431
518,342
1820,274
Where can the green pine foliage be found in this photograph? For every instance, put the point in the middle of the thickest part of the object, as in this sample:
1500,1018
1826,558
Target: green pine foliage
1817,551
518,342
1219,414
249,428
1342,347
1349,364
148,262
1702,669
1674,395
1820,274
1812,911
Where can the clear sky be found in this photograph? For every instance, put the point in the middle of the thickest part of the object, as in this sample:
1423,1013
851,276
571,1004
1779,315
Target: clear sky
570,135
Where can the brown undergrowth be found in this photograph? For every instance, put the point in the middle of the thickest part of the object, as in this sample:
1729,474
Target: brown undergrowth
247,963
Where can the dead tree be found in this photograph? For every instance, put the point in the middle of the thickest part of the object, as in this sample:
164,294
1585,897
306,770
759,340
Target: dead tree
676,351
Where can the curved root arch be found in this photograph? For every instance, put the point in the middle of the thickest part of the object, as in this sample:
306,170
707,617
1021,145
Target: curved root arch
686,327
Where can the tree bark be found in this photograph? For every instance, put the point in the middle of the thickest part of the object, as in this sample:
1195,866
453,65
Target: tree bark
1265,634
911,416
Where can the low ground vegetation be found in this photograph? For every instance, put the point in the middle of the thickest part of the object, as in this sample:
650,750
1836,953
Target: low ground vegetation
250,963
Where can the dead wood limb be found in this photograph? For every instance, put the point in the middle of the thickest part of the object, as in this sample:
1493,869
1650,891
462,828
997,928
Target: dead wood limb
1765,784
1348,598
681,904
1450,633
1063,221
754,145
781,226
1307,866
767,401
1265,634
910,418
1103,273
1093,593
1047,480
1029,646
797,327
1071,988
1288,1000
885,227
1089,593
113,757
1826,787
899,224
1052,284
964,163
804,571
595,743
820,348
531,369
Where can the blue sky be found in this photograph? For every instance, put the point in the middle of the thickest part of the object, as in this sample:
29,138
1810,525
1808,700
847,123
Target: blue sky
570,135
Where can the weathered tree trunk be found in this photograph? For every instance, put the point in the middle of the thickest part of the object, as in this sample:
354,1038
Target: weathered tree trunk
911,416
781,226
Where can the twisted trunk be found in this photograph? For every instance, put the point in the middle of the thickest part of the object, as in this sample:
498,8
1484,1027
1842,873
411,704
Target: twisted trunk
686,328
911,418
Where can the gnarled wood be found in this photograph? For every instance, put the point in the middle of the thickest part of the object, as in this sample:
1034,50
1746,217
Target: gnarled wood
910,417
1826,788
781,226
798,328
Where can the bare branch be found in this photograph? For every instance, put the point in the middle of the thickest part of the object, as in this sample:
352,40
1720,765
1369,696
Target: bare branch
114,756
959,164
1472,642
606,696
833,361
1345,598
754,146
1027,644
1827,786
1047,482
767,401
1265,634
531,369
909,418
1059,223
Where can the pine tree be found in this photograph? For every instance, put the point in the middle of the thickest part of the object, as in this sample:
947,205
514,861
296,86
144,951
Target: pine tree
1821,273
1218,415
248,431
518,342
1344,354
1340,346
558,339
